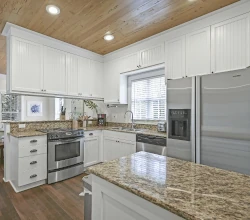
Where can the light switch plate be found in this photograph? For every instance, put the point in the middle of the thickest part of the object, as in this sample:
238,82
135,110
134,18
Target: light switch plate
21,125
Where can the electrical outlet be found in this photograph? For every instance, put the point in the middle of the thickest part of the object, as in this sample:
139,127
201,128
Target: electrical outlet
21,125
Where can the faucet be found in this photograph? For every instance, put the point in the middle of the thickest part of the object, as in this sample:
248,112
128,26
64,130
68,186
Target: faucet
132,125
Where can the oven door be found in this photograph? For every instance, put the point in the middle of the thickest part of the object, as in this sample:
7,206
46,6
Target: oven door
65,152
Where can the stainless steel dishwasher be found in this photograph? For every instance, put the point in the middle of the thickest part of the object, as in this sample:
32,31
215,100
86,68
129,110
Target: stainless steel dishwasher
152,144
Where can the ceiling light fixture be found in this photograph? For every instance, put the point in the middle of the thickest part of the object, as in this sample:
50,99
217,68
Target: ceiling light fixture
109,37
52,9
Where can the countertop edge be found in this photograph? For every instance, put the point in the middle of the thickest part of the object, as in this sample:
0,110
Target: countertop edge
144,196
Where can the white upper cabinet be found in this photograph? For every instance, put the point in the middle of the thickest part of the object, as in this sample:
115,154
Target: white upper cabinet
175,64
130,62
85,77
83,85
95,79
230,44
198,52
152,56
115,83
26,66
72,74
144,58
54,71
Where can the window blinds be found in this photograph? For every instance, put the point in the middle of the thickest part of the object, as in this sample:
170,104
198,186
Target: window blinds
148,98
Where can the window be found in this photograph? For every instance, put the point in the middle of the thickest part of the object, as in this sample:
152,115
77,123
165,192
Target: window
148,98
11,107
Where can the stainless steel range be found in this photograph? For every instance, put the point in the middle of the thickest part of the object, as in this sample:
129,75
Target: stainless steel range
65,153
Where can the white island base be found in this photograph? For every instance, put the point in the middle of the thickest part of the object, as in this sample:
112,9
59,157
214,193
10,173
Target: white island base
110,202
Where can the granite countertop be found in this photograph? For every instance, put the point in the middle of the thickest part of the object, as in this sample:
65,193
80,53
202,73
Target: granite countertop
189,190
37,133
20,134
143,131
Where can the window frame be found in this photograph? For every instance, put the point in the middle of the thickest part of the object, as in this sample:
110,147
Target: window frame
141,76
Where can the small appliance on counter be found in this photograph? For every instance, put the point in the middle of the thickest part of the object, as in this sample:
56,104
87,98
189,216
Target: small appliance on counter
101,119
161,126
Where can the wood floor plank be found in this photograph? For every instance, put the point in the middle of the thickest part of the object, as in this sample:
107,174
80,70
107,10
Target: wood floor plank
47,202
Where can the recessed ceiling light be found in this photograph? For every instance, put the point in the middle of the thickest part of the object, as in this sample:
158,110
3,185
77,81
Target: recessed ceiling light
109,37
52,9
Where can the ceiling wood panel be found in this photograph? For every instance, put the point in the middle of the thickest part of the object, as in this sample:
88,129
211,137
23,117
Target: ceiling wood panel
84,22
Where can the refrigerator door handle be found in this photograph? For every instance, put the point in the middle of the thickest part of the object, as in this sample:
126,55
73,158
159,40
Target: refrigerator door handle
193,120
198,120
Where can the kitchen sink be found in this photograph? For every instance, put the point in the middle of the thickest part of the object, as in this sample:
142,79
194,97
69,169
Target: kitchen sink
126,129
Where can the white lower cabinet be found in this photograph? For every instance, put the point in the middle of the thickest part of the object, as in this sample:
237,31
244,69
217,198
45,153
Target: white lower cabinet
92,149
118,144
111,149
29,157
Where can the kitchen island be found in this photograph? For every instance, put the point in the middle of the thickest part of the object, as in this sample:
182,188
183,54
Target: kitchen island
149,186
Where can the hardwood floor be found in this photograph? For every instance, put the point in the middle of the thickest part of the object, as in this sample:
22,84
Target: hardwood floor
57,201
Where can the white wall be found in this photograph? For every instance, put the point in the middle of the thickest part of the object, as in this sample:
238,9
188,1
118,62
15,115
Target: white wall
48,107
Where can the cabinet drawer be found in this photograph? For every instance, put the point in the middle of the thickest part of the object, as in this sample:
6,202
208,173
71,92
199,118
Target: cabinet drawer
32,162
32,141
89,134
120,135
33,175
32,150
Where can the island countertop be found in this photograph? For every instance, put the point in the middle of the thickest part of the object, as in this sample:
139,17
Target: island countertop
189,190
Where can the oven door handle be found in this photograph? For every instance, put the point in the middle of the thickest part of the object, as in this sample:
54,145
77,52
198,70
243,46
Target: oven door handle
68,140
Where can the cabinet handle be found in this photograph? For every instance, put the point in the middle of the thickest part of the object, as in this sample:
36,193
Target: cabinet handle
33,141
212,71
33,162
33,151
42,90
90,134
33,176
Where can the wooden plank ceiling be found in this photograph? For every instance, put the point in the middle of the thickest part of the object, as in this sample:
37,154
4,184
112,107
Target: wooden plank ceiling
84,22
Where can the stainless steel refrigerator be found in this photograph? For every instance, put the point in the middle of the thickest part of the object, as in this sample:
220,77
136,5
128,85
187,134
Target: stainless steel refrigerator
209,120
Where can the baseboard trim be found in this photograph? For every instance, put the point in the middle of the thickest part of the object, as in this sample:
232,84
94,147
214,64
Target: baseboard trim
18,189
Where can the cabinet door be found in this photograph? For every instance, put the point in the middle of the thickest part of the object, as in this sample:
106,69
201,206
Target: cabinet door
111,149
96,79
84,78
175,58
54,71
130,62
72,74
152,56
126,148
26,66
91,151
198,52
111,82
230,44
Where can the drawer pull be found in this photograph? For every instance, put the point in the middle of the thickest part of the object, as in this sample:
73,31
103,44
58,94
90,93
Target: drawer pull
33,176
33,141
90,134
33,162
33,151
